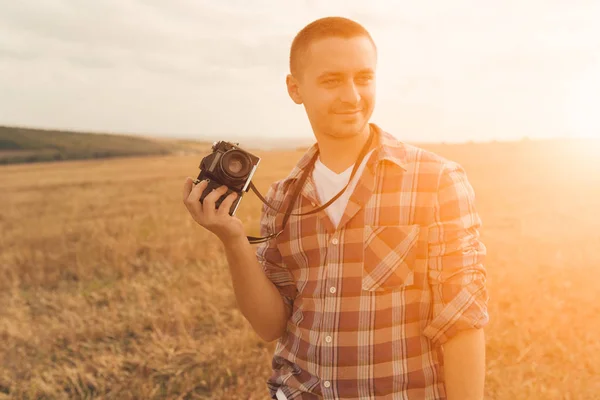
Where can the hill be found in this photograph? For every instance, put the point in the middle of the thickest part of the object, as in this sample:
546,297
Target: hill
23,145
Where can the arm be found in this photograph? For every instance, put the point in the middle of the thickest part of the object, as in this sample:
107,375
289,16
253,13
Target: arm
265,289
257,297
271,262
464,365
458,284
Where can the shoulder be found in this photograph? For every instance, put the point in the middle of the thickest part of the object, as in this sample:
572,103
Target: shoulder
426,166
440,185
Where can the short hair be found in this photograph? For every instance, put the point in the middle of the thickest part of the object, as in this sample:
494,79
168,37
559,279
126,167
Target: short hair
324,28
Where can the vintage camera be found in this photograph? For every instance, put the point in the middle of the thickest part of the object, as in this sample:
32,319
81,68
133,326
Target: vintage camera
230,166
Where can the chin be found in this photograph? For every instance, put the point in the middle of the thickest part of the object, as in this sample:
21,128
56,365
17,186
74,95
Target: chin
348,129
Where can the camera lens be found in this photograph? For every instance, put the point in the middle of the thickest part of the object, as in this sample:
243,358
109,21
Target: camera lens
236,164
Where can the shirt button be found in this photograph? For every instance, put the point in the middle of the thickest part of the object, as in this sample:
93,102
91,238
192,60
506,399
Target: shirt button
312,203
332,290
328,339
334,241
326,384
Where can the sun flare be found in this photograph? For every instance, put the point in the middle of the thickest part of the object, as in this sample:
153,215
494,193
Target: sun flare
583,105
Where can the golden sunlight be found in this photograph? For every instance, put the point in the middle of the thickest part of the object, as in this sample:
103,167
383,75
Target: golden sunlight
582,108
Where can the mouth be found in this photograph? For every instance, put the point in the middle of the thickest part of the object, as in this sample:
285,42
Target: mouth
351,112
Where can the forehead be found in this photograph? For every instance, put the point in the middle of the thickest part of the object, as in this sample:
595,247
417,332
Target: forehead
341,55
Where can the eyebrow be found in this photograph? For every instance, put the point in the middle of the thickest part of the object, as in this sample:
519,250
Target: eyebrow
329,73
335,73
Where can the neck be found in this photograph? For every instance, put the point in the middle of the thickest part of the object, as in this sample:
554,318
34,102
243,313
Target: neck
338,154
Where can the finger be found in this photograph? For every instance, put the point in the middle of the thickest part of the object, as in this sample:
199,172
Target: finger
193,206
208,204
225,205
196,192
187,187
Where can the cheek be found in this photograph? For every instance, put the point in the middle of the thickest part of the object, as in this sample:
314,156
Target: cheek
320,103
368,94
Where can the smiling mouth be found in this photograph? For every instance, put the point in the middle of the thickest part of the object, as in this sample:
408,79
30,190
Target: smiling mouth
349,112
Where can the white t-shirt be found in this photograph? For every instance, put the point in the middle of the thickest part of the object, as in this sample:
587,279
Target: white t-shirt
328,184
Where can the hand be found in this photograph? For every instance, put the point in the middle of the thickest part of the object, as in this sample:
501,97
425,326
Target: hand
218,221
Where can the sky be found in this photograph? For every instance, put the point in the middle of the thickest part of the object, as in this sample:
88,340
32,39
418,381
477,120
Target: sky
466,70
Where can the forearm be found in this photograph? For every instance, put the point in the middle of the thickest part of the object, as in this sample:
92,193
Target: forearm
257,297
464,365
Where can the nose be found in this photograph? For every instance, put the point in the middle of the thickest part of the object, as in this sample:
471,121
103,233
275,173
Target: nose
350,93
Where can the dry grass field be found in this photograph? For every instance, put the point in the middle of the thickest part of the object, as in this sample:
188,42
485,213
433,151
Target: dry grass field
108,289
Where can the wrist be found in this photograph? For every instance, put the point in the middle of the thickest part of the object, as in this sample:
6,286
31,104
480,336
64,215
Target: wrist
234,241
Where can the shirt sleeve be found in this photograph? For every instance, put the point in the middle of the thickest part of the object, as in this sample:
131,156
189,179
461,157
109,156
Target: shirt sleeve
268,254
456,256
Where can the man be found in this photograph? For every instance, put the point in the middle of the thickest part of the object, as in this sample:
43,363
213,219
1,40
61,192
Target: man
382,294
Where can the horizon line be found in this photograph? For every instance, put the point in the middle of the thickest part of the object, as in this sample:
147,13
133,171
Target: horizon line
299,141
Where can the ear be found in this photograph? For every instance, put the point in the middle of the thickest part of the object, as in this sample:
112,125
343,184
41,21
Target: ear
293,88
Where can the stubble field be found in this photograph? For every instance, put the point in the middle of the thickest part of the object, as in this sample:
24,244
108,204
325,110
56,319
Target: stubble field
108,288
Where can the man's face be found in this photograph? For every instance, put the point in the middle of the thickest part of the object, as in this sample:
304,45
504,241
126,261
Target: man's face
337,85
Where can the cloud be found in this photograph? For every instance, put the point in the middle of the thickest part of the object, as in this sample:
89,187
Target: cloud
182,37
162,67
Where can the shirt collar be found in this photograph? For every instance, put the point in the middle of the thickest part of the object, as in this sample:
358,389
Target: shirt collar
387,148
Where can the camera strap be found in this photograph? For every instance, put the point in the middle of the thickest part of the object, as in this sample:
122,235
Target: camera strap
298,188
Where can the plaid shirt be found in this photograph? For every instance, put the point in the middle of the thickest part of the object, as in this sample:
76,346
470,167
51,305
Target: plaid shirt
371,302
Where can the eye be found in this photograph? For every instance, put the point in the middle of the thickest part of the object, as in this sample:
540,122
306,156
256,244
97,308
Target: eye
364,79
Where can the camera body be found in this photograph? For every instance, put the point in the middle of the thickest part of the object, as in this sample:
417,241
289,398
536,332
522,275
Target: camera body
228,165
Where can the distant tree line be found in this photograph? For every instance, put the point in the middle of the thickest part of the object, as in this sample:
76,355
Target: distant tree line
25,145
